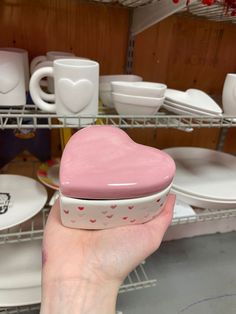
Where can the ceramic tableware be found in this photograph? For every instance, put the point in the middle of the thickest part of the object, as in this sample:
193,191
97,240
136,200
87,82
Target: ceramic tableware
229,94
193,98
76,88
20,273
105,88
183,110
102,185
20,199
25,60
144,89
48,173
12,79
136,105
204,173
203,202
49,56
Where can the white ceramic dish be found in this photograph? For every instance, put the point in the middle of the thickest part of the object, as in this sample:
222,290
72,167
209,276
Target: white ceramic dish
204,173
183,209
103,214
169,105
20,273
179,111
136,105
105,80
20,199
144,89
195,99
105,86
203,202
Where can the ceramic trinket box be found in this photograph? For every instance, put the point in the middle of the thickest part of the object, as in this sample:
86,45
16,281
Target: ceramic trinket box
107,180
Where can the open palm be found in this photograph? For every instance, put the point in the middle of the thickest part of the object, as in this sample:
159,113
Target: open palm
107,255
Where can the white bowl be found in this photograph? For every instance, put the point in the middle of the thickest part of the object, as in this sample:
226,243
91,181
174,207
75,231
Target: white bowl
104,214
105,86
144,89
105,80
136,105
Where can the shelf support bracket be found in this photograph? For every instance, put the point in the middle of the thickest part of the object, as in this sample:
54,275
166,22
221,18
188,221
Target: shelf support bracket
146,16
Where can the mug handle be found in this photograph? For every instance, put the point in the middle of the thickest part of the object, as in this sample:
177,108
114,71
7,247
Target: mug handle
36,92
35,62
43,83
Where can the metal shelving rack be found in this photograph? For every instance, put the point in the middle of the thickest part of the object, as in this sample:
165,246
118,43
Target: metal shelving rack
33,230
28,117
144,14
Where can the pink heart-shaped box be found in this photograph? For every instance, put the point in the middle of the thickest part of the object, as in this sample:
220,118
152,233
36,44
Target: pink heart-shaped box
104,171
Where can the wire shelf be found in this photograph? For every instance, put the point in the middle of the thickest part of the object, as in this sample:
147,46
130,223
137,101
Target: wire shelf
137,279
29,117
33,229
31,309
205,215
215,12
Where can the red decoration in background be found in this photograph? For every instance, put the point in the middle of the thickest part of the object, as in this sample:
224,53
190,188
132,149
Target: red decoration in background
228,4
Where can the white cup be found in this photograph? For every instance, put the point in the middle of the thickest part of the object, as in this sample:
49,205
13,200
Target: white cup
76,88
50,56
12,79
47,60
229,94
25,59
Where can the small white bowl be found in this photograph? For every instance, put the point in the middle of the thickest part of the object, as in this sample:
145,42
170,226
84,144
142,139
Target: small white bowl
104,214
105,86
144,89
136,105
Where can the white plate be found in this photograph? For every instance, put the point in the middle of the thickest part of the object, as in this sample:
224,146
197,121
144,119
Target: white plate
204,173
20,199
187,109
180,111
203,202
20,273
182,209
195,99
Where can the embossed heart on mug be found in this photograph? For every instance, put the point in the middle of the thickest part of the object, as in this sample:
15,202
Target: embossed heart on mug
75,95
9,77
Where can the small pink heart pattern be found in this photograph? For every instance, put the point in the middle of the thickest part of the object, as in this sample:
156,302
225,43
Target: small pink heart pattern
112,215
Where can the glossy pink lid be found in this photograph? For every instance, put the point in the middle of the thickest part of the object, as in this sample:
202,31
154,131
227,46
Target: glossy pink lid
103,162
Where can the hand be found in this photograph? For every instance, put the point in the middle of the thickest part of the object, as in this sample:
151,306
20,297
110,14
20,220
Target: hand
86,267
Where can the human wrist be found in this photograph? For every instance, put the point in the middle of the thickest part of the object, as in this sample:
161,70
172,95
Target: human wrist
79,297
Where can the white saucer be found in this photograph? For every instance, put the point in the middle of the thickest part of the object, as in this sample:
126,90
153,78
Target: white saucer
204,173
20,273
182,108
20,199
195,99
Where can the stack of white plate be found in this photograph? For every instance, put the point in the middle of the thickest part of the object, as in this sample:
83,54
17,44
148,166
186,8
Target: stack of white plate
191,102
204,178
20,263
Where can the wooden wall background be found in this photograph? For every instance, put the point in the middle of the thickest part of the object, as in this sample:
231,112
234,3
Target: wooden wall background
181,51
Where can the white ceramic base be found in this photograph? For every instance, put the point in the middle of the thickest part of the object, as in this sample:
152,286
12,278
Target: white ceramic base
104,214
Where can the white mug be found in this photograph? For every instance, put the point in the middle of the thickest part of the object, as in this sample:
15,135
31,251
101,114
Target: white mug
229,94
12,79
47,60
76,88
50,56
25,59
